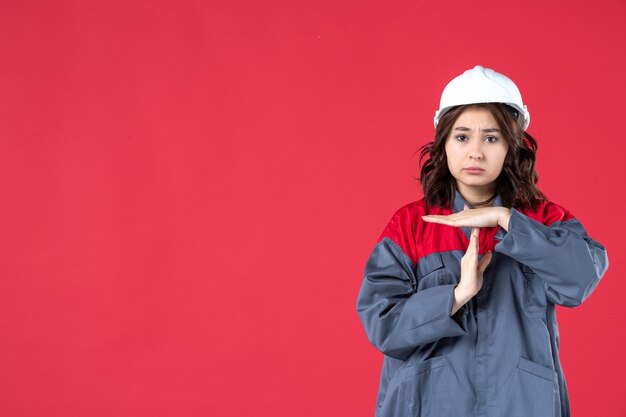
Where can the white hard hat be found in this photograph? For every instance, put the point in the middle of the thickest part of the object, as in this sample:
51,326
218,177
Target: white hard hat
482,85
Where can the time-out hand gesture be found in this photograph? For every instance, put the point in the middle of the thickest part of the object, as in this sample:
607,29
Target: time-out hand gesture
471,272
480,217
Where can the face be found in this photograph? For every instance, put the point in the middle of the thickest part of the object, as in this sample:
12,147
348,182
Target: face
475,141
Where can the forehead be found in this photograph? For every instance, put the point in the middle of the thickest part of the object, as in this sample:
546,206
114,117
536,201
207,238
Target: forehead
476,116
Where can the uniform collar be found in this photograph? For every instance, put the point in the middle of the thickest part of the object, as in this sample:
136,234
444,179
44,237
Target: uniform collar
459,201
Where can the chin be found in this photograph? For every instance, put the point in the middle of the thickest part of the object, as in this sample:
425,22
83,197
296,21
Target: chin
477,180
478,184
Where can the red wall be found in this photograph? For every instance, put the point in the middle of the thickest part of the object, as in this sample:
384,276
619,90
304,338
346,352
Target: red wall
190,190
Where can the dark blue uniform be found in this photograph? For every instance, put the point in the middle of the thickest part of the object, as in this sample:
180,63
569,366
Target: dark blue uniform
498,355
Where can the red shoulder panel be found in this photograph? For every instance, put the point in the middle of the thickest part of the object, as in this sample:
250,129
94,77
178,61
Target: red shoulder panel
402,228
548,212
418,238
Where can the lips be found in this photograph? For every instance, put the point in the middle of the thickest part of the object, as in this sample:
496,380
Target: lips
473,170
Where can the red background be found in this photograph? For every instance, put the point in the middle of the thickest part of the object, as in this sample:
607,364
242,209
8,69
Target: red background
190,191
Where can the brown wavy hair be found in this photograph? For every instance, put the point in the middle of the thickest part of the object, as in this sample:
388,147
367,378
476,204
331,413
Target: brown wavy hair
517,181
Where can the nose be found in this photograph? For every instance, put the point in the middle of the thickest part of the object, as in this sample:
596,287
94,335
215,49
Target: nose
475,151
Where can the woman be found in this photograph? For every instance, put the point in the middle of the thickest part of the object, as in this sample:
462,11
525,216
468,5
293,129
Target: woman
459,293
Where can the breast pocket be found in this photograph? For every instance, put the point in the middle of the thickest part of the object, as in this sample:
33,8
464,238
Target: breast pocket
433,271
534,298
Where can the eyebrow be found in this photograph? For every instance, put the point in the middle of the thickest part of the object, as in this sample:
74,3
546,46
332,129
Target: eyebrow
465,129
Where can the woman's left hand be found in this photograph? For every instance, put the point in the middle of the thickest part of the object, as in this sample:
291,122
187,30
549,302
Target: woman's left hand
480,217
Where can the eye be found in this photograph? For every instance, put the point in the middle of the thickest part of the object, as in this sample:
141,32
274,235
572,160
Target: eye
491,139
460,138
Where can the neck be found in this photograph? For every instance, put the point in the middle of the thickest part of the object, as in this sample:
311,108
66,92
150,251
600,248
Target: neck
476,196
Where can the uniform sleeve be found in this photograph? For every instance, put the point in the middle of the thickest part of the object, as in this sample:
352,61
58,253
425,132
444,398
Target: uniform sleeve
565,258
397,319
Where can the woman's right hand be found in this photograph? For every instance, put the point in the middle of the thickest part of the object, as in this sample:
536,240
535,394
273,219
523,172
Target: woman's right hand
471,272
